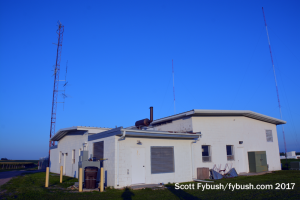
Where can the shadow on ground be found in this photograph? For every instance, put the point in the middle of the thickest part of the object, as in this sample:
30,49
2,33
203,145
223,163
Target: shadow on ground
181,194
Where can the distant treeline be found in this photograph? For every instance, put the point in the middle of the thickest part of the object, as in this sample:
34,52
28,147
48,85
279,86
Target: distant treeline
16,165
20,161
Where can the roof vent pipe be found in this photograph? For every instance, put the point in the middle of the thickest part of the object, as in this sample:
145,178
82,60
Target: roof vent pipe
151,114
145,122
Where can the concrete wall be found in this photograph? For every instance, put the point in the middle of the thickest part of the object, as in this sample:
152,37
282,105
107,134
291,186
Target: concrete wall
182,154
221,131
66,145
53,161
109,153
72,141
180,125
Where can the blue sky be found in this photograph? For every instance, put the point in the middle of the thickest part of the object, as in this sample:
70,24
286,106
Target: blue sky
120,55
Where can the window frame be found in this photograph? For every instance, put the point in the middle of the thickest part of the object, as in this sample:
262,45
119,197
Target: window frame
209,153
230,157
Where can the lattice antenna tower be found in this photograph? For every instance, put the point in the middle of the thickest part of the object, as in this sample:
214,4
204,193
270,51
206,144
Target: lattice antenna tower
275,81
59,32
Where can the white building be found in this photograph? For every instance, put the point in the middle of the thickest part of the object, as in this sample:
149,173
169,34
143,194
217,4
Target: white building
172,148
290,155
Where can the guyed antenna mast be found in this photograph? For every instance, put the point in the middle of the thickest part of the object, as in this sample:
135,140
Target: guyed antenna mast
275,80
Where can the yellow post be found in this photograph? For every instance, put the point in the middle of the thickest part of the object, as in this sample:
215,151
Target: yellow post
47,177
101,180
61,174
80,179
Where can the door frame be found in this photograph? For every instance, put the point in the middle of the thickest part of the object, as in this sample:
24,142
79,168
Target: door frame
143,156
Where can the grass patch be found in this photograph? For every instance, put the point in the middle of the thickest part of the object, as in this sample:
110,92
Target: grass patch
31,186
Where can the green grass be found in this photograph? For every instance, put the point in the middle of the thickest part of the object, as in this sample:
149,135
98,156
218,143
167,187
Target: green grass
31,186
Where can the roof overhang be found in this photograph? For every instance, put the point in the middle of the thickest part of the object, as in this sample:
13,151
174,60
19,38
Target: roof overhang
220,113
120,131
79,129
160,134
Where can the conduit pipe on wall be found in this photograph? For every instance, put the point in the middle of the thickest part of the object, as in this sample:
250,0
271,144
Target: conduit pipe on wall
118,150
195,141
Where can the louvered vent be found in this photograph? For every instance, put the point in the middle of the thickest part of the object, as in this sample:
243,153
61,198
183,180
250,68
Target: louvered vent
98,150
269,135
162,160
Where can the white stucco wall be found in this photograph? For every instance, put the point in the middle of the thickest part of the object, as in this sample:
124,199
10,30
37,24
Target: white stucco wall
221,131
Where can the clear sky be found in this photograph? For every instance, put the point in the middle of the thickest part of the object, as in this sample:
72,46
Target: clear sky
120,55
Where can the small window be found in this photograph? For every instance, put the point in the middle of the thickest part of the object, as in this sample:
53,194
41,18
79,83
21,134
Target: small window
162,160
73,156
59,157
269,135
229,149
206,153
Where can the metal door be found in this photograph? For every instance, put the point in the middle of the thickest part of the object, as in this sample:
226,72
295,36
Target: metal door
240,160
261,161
137,165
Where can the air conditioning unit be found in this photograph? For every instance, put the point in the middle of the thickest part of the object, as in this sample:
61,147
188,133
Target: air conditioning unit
295,165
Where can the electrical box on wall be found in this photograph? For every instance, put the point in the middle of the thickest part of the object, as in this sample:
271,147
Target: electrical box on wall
257,161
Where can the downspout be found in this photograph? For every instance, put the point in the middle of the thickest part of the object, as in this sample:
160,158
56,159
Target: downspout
118,150
195,141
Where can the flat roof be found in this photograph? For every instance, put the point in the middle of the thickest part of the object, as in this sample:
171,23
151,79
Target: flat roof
216,113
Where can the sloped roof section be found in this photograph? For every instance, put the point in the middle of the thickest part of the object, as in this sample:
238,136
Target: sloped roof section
76,130
217,113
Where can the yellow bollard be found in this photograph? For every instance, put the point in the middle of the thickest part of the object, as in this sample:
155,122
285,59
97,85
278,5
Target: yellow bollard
80,179
101,180
47,177
61,174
